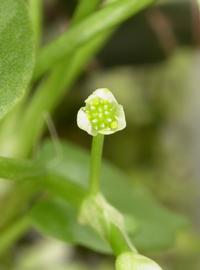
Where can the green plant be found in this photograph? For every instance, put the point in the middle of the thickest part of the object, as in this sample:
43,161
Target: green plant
58,65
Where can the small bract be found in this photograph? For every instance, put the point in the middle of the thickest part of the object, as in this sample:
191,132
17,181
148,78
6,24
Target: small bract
130,261
102,114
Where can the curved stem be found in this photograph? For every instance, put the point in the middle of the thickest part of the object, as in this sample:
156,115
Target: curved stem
95,163
84,9
110,16
36,16
119,241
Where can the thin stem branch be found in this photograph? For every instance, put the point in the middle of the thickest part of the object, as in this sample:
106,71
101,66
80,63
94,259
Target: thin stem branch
119,241
36,16
16,169
84,8
95,163
13,232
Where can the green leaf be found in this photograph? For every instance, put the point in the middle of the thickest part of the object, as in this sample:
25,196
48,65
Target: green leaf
16,52
151,225
54,217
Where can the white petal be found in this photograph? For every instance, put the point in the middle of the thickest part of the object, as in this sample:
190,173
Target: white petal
107,131
83,121
121,118
130,261
103,93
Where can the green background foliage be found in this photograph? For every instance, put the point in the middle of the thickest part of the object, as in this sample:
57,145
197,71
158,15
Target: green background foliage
45,47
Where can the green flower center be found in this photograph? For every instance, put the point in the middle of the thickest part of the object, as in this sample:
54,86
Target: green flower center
102,114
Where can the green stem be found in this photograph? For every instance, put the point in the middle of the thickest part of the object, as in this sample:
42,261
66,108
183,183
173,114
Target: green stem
77,36
119,241
36,16
12,233
95,163
16,169
84,9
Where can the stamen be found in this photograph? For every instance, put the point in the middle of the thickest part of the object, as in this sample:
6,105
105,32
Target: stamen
101,113
113,125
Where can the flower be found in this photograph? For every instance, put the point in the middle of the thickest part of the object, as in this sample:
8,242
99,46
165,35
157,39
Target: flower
102,114
131,261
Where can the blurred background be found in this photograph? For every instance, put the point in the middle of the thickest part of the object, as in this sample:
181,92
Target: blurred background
152,65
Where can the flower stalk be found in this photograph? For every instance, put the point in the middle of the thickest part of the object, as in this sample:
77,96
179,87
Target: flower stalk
102,115
95,163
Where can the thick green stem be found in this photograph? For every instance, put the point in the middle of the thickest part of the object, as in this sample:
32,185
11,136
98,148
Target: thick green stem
119,241
95,164
36,16
11,234
103,20
84,8
16,169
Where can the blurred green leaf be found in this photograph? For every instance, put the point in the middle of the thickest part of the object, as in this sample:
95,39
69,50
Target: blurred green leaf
16,56
156,226
56,218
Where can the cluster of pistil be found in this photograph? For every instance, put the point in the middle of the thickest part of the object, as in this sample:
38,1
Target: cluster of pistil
102,114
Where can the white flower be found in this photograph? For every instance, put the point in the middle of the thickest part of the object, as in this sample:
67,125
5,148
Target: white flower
131,261
102,114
